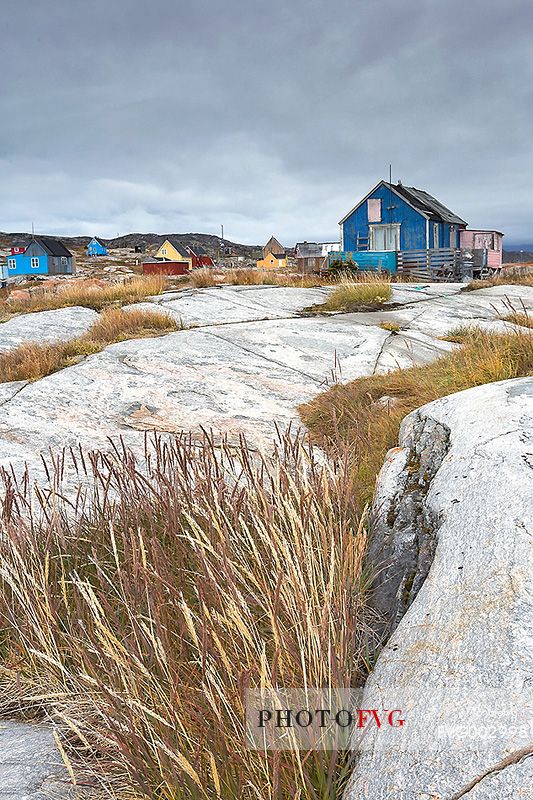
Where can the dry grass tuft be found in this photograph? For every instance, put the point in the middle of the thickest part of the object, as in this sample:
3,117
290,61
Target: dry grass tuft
366,294
511,279
137,618
202,278
393,327
32,361
80,293
350,414
522,318
248,277
254,277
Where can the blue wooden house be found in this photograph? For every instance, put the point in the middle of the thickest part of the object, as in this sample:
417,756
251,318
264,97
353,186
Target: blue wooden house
96,247
43,256
393,218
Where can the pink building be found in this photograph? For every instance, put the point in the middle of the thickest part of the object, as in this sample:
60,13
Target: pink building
489,241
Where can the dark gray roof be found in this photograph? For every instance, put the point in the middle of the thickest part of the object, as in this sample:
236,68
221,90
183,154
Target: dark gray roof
426,203
53,246
308,250
100,241
182,250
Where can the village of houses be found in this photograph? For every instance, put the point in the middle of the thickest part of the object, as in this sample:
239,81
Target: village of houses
400,230
215,366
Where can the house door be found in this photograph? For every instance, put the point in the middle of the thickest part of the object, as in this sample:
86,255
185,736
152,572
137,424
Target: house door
384,237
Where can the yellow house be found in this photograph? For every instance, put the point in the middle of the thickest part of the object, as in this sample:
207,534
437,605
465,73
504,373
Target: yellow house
171,250
273,261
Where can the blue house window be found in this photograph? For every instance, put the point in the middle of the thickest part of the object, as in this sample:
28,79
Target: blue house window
11,263
35,263
63,261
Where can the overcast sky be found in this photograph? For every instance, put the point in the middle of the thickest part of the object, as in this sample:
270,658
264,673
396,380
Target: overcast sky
268,117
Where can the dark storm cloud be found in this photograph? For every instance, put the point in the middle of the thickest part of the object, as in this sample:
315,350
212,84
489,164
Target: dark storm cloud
269,117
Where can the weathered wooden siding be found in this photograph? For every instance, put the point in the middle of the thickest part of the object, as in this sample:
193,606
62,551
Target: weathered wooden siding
414,226
491,241
393,210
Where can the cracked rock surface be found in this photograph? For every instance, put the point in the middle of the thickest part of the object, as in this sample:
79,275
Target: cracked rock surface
245,367
455,503
30,765
59,325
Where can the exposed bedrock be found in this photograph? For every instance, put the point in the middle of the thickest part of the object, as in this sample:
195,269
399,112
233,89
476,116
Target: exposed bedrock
453,525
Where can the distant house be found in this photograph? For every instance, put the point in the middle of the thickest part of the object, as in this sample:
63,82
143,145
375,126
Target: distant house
140,248
310,256
274,247
274,255
96,247
158,266
172,250
199,256
273,261
487,245
43,256
17,248
330,247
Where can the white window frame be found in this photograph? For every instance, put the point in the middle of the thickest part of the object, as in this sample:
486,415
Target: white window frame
164,251
435,235
35,262
395,225
11,263
63,261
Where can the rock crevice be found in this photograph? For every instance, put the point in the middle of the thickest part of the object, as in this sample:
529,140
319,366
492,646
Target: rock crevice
404,529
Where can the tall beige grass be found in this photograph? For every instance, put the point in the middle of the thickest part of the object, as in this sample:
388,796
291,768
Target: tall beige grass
81,293
203,278
350,414
137,617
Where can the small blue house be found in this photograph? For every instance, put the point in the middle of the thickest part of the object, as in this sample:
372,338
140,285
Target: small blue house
43,256
393,217
96,247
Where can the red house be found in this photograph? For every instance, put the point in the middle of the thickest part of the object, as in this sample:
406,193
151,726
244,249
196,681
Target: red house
199,257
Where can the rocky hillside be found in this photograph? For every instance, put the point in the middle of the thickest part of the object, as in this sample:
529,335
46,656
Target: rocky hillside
517,256
214,245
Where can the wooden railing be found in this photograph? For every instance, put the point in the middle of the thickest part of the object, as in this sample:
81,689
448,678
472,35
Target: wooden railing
444,264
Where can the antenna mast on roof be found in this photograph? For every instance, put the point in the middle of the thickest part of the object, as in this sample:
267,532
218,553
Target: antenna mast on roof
390,194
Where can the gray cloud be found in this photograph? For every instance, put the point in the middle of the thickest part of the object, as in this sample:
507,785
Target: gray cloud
271,118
